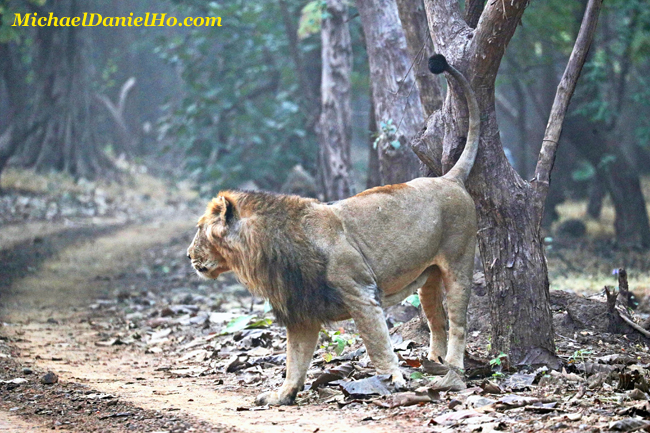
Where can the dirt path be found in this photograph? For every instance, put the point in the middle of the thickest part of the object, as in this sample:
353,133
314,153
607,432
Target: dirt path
48,325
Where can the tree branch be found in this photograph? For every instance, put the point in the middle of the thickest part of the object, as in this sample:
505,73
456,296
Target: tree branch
495,28
565,90
448,28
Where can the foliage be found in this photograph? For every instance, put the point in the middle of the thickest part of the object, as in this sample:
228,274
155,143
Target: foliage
311,18
239,119
335,343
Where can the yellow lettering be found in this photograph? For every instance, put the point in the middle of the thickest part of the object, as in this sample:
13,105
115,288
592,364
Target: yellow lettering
92,17
34,20
75,21
39,21
211,21
120,21
65,22
22,21
153,20
185,21
108,22
172,21
137,22
198,22
52,17
131,20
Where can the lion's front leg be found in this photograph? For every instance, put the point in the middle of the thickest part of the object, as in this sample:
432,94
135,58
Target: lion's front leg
301,343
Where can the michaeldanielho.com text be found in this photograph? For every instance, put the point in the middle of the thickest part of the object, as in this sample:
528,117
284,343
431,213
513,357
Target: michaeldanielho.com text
94,20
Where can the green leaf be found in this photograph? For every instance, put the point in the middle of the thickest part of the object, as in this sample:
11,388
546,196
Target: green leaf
414,300
262,323
416,375
327,357
310,19
237,324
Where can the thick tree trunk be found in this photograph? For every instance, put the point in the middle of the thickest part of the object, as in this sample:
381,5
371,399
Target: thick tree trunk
398,109
420,47
509,209
374,178
63,133
335,127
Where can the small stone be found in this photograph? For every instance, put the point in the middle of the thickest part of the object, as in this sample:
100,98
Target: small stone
27,370
49,378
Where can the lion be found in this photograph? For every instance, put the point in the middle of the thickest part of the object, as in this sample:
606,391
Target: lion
322,262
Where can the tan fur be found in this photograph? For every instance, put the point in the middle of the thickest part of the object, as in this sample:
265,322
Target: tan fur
354,257
319,262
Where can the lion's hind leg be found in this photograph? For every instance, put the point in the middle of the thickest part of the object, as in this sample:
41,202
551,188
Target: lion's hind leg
370,322
301,343
431,296
458,279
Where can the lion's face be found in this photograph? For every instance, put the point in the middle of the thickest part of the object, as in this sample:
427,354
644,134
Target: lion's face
205,257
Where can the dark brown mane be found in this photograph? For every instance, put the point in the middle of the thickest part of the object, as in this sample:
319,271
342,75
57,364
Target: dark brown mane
275,257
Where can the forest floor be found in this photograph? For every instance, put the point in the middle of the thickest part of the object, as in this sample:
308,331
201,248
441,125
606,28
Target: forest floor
104,327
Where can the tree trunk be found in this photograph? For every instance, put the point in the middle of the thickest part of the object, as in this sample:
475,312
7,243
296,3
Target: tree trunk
16,97
596,197
398,110
335,127
373,179
509,209
63,132
420,47
619,177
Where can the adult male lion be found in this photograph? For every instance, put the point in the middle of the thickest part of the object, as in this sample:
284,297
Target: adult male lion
318,263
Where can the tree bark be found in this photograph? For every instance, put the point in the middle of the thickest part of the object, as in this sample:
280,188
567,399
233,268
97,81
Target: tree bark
61,119
619,177
420,47
335,126
509,209
398,110
374,178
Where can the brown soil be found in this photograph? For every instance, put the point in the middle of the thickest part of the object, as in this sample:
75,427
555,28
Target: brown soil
50,328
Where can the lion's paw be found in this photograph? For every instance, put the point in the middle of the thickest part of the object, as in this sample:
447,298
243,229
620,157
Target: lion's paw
398,381
273,398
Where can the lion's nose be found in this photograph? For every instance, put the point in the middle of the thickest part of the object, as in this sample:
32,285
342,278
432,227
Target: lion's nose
188,256
201,268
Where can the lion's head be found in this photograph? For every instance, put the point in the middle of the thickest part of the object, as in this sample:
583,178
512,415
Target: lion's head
206,252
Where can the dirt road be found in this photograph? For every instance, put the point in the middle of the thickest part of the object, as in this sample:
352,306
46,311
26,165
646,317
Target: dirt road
48,326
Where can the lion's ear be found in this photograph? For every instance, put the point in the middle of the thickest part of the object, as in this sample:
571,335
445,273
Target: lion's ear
224,209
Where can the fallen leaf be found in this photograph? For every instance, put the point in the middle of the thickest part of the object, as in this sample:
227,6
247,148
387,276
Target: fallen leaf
629,424
333,374
450,382
364,388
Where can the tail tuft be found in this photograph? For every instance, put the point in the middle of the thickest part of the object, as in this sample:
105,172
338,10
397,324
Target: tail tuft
438,64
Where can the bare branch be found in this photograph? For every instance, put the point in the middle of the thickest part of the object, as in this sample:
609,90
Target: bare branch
495,28
124,93
565,90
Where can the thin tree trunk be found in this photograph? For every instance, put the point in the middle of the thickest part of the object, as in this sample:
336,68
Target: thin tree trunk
420,47
335,127
398,109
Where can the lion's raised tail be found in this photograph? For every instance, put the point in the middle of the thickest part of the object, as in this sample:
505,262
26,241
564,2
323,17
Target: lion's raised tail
437,65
